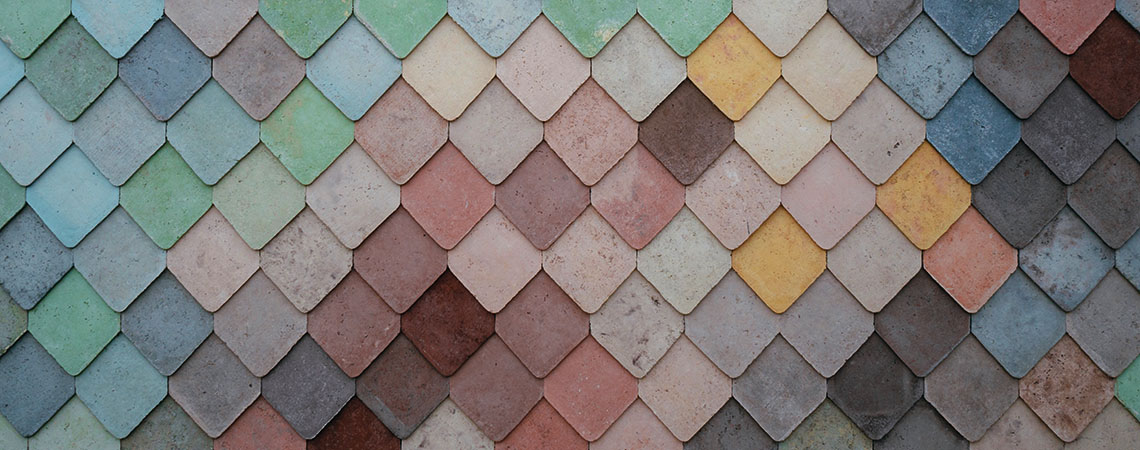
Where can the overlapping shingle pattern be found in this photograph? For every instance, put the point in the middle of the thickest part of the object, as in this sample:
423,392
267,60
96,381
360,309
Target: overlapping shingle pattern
569,224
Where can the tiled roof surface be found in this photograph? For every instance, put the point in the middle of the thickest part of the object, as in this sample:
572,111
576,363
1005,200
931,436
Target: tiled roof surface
569,224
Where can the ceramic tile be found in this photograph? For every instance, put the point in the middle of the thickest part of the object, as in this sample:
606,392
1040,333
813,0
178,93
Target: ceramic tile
974,132
353,325
878,132
973,27
684,24
825,428
589,26
306,132
447,427
780,389
399,281
259,197
1018,325
733,197
1020,196
970,389
1113,428
307,388
1066,23
33,135
638,197
731,326
119,260
164,70
353,196
542,325
494,24
401,388
259,324
685,389
119,135
73,323
1018,428
166,324
542,69
34,260
1067,260
590,133
211,25
780,25
353,70
494,261
590,389
874,25
1130,9
686,133
1128,260
212,132
259,426
495,133
307,25
779,261
447,197
828,197
165,198
73,427
733,68
258,69
12,197
1128,388
13,323
495,390
805,325
874,261
36,386
447,324
922,324
636,325
117,24
782,132
449,70
992,261
923,424
167,425
924,197
306,261
826,50
1128,132
541,427
355,427
1069,132
1102,66
874,388
1020,66
1103,196
29,24
400,25
575,261
637,429
72,197
120,387
1102,324
211,261
638,69
401,132
213,387
70,69
684,261
1066,390
903,66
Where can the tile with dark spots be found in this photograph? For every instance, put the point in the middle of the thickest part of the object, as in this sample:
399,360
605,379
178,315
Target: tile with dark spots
686,132
974,132
400,281
637,325
875,389
1066,390
970,389
542,428
1020,66
780,389
70,69
494,24
167,427
447,324
1020,196
1069,131
542,197
166,324
355,428
971,25
731,428
401,388
213,387
922,324
874,24
1107,197
307,388
542,325
495,390
258,69
1018,325
924,66
1067,260
164,69
35,386
27,24
31,258
1108,66
1105,324
922,427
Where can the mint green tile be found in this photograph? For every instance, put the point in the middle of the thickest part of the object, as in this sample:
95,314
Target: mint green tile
70,69
11,197
259,197
72,197
25,24
73,323
589,24
400,24
684,24
13,324
73,427
212,132
306,132
1128,388
165,197
305,24
120,387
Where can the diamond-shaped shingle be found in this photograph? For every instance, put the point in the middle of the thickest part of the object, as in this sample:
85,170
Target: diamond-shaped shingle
542,197
259,197
779,24
1098,66
875,389
638,69
401,132
1066,23
353,69
213,386
35,386
684,24
353,325
70,70
119,260
1104,196
828,197
684,261
494,261
164,70
733,197
306,261
117,24
779,261
686,133
307,388
733,68
400,281
544,426
73,323
590,133
1067,260
874,261
307,24
401,387
211,261
811,325
924,197
971,28
306,132
974,132
829,427
685,389
825,51
782,132
922,324
971,238
494,389
74,427
1018,325
353,196
448,69
212,132
542,69
878,132
589,25
1069,132
259,324
400,25
447,324
448,427
875,25
448,196
72,197
211,25
1020,196
32,134
167,424
1066,390
33,259
590,389
638,427
922,424
166,324
731,325
779,389
1113,427
120,134
494,24
165,198
1102,324
1018,427
638,197
636,325
355,424
120,387
1020,66
28,24
904,67
542,325
589,261
260,426
970,389
495,133
258,69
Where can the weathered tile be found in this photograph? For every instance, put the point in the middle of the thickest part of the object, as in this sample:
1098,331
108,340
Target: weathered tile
211,261
638,197
878,132
974,132
306,261
542,325
447,324
401,24
922,324
589,25
874,388
33,134
1130,9
494,261
305,25
590,389
1066,23
779,24
211,25
70,70
214,387
779,261
73,427
12,197
970,389
827,427
165,198
875,25
542,197
1113,428
117,24
1018,325
1066,390
401,132
685,389
212,132
1066,260
922,426
260,426
1019,428
1128,388
684,24
401,388
1021,67
307,388
400,281
259,324
120,134
731,326
992,260
733,197
637,326
590,133
924,197
120,387
779,389
72,197
306,132
731,427
28,24
1128,260
686,132
13,321
33,259
495,390
589,261
1069,132
167,427
259,197
971,27
542,69
495,133
449,69
1102,66
35,386
119,260
1104,198
638,69
353,325
357,428
166,324
258,69
874,261
684,261
494,24
828,197
447,427
637,429
904,66
164,70
1020,196
782,132
733,68
447,196
826,50
827,325
353,196
73,323
543,427
1127,132
1102,325
353,69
